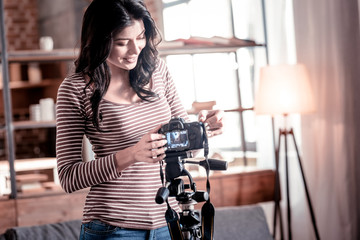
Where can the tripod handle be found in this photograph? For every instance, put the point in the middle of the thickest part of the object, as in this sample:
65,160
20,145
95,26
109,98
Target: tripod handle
162,195
215,164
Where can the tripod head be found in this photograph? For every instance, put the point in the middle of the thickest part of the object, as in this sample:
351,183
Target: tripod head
175,186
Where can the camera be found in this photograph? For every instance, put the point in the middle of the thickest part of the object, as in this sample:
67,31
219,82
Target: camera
182,136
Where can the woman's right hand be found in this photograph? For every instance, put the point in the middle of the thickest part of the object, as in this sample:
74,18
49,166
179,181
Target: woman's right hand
151,147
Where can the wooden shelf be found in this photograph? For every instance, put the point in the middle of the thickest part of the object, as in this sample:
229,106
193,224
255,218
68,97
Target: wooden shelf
33,124
197,49
26,84
30,164
42,55
238,109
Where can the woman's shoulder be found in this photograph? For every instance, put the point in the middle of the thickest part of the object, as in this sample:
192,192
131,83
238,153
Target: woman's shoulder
74,83
76,80
160,64
161,70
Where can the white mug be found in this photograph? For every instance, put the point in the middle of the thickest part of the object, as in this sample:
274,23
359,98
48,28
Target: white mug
47,109
46,43
35,114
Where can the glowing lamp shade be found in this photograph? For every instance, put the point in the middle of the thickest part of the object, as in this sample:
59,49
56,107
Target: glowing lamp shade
284,89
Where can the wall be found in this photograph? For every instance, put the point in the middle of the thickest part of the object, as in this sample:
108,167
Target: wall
21,18
62,21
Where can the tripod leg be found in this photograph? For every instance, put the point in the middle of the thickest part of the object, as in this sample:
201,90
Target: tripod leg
306,188
287,186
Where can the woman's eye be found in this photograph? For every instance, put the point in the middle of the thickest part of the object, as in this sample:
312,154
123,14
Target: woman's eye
141,37
121,44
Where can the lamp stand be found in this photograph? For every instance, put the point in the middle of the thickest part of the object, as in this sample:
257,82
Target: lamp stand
277,194
285,133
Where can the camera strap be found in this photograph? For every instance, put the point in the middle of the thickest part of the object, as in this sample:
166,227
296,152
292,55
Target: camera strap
172,220
207,210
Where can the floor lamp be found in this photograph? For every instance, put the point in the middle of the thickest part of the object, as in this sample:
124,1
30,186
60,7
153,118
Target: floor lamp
285,89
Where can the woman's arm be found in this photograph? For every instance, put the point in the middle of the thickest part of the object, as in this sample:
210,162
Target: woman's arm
74,174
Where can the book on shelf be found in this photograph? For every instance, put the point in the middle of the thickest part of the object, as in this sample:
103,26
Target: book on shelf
30,182
204,41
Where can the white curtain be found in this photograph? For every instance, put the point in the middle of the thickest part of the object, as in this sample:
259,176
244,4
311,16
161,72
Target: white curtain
328,43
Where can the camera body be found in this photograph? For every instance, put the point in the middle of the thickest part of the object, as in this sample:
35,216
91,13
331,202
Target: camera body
182,136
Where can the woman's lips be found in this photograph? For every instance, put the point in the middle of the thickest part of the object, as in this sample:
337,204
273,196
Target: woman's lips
131,60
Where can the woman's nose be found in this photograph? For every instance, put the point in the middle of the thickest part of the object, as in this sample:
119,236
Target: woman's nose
134,47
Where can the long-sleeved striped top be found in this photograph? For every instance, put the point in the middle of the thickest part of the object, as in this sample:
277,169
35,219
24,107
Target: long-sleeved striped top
127,198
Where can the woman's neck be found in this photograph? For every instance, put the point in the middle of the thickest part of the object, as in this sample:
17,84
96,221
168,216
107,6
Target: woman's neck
120,90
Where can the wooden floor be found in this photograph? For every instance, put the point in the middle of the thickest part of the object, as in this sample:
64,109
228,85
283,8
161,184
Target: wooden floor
226,190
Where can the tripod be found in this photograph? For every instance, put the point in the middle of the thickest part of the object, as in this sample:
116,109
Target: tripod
190,226
285,133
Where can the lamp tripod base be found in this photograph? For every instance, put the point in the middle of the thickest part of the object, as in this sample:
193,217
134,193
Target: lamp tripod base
285,133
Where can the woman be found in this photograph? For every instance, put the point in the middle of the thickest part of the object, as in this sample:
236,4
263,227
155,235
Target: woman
118,97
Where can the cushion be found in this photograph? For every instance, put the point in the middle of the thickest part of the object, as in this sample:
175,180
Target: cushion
241,222
57,231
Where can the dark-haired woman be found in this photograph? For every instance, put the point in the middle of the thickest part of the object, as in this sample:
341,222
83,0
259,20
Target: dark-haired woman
118,97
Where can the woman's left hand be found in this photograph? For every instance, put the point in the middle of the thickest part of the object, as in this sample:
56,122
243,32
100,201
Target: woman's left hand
213,120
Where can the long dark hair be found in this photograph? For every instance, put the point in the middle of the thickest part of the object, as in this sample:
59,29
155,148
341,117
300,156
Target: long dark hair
102,20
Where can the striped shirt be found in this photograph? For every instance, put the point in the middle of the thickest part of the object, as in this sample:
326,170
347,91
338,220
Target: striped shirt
127,198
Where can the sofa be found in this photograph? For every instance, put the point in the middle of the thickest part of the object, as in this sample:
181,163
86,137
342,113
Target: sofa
231,223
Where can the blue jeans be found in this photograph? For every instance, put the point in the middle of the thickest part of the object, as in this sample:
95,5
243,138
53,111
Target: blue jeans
97,230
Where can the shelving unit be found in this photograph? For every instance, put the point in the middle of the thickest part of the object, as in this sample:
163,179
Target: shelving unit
14,166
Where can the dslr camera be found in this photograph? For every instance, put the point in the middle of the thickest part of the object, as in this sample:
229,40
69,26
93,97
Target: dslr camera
182,136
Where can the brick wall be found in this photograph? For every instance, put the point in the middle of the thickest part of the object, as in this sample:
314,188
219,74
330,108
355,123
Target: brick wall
21,22
155,9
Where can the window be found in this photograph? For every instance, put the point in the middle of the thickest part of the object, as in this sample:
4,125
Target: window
226,77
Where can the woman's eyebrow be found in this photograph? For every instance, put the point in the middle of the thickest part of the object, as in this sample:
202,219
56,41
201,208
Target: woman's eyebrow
117,39
143,31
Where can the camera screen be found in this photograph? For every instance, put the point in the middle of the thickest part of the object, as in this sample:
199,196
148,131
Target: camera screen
177,139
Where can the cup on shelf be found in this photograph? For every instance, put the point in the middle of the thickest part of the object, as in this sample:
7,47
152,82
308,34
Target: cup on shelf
47,109
46,43
15,72
34,72
35,114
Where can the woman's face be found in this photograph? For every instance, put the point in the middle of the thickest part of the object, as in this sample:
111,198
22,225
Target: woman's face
127,46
